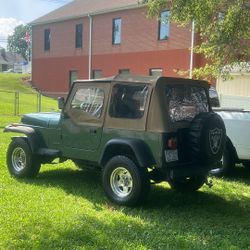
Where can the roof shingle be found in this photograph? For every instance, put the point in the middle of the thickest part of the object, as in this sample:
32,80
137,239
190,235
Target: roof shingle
81,8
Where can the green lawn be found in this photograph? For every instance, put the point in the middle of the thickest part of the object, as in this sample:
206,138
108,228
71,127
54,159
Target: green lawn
11,83
65,208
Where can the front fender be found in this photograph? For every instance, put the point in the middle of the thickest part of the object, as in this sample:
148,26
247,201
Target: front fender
139,148
34,139
19,128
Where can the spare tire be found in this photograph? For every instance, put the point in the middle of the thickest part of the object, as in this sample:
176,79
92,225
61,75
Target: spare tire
206,138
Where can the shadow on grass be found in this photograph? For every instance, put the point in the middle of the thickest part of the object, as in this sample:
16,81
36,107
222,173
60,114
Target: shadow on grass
240,174
169,220
87,184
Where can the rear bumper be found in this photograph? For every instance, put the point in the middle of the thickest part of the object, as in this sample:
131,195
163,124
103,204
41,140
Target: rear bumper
191,170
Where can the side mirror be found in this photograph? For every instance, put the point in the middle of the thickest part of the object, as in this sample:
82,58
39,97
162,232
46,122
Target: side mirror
61,102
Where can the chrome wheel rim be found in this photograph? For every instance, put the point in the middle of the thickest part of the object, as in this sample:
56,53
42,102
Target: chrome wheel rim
18,159
121,182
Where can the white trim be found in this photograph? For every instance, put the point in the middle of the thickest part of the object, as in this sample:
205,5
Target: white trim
90,45
191,52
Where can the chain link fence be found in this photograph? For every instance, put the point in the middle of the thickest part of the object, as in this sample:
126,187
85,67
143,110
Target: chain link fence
18,103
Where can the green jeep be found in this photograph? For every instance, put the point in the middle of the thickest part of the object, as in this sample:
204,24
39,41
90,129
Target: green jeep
137,130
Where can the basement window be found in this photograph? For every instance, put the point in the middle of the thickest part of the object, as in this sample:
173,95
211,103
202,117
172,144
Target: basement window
96,74
155,72
47,39
164,25
124,71
79,28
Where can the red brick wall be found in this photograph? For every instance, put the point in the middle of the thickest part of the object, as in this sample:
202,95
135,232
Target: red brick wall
52,74
139,50
141,62
62,39
139,34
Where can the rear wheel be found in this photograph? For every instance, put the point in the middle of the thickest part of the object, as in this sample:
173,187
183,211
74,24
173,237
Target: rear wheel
20,160
246,165
125,183
187,184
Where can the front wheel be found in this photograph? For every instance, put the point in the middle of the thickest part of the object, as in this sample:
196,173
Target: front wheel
187,184
125,183
20,160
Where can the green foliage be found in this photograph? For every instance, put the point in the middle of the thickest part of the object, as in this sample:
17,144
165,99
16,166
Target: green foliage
17,43
223,27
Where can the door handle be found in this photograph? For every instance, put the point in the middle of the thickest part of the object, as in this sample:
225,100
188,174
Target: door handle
93,131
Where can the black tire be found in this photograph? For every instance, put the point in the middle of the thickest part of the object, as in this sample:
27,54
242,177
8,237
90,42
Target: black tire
187,184
246,165
125,183
227,164
206,138
20,160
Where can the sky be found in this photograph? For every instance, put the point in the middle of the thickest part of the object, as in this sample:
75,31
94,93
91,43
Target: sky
16,12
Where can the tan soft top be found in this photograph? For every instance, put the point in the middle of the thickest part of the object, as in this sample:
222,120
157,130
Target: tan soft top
155,118
151,80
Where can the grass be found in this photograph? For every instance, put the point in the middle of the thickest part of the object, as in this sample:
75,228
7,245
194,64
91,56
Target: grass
13,83
65,208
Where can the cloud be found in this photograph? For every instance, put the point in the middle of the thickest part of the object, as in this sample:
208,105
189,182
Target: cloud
7,26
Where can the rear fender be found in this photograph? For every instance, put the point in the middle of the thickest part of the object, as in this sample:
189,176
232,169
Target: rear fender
130,147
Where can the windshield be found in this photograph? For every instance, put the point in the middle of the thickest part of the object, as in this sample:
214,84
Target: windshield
185,102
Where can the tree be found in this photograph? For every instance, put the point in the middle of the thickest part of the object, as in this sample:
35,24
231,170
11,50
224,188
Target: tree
223,27
19,42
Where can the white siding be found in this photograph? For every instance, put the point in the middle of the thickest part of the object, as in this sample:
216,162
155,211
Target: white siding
235,92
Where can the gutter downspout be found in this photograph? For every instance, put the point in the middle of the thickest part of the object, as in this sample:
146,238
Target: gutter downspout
191,52
90,44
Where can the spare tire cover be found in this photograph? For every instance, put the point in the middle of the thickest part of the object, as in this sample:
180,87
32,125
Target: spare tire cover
206,138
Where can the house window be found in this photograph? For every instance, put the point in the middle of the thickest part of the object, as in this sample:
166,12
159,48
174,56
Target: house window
79,29
47,39
73,75
124,71
117,26
164,25
96,74
155,72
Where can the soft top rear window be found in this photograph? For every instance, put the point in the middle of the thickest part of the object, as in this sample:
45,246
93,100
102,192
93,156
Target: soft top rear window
185,102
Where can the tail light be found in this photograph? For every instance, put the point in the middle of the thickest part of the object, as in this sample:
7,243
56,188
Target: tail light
172,143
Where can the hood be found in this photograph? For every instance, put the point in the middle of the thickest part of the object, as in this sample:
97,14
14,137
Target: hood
46,120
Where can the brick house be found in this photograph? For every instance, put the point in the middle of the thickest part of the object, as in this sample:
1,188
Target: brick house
101,38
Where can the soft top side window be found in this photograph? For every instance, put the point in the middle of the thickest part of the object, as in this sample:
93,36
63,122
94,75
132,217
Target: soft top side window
89,101
185,102
128,101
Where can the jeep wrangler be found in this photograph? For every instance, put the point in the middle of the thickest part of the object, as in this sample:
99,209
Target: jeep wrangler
137,130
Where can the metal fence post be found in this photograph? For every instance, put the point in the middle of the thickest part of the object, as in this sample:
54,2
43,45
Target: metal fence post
39,101
16,104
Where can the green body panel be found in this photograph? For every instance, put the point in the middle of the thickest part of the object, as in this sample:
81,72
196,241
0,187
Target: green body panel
44,120
152,139
80,136
86,142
